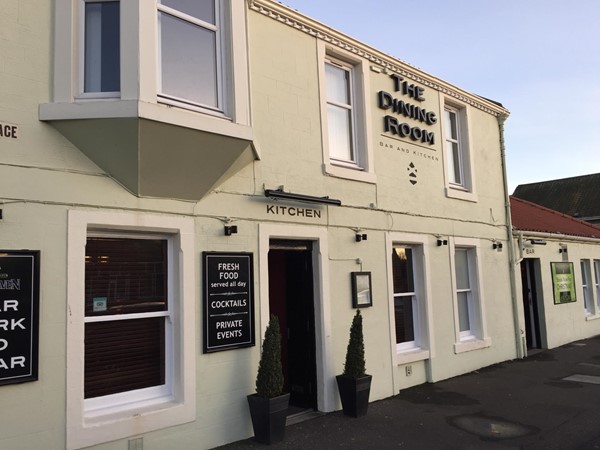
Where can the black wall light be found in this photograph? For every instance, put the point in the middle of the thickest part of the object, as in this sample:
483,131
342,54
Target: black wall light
497,246
230,229
361,237
280,194
441,242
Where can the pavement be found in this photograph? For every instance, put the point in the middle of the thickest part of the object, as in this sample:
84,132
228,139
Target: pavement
549,400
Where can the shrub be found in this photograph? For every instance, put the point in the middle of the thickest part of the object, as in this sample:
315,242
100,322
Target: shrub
269,380
355,354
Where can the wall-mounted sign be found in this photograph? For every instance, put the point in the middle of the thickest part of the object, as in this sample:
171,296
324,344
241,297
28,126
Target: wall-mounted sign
228,301
403,108
563,282
9,130
19,302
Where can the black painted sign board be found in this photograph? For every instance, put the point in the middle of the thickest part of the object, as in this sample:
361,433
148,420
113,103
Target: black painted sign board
228,301
19,315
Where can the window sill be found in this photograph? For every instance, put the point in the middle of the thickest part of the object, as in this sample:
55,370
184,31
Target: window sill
472,344
461,194
100,108
590,317
413,355
349,174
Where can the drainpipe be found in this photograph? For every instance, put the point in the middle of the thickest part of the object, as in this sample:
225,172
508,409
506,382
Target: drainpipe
519,338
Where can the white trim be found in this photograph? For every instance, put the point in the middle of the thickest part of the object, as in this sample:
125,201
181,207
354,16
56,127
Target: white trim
426,349
466,191
326,388
362,169
477,337
154,412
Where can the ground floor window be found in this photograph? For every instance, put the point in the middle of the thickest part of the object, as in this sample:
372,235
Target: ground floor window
130,334
406,308
127,315
469,302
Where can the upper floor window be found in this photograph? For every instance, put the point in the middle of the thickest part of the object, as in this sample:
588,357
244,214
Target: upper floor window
101,66
190,52
346,125
340,112
459,164
454,148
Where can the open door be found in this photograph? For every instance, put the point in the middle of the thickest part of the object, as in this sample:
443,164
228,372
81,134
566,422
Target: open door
291,299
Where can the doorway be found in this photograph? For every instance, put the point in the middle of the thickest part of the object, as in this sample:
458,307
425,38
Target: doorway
291,299
531,308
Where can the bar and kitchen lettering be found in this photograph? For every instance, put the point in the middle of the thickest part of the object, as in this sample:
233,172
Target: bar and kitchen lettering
228,303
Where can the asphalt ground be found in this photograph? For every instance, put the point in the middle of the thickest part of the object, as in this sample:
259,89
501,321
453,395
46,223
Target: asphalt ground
549,400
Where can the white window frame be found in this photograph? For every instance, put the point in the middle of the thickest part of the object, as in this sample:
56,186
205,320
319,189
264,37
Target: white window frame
586,279
221,63
597,282
116,416
422,347
476,337
361,168
465,190
82,94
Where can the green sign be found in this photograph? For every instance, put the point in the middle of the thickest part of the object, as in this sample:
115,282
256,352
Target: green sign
563,282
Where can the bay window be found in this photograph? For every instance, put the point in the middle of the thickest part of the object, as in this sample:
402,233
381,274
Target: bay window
101,61
190,53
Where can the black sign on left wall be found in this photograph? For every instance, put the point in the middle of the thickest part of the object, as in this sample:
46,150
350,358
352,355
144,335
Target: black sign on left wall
19,315
228,301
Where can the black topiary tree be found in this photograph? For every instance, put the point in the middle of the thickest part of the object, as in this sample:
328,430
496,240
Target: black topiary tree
269,380
355,354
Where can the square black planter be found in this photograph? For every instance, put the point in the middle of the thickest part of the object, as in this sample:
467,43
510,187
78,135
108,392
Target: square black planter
354,393
268,417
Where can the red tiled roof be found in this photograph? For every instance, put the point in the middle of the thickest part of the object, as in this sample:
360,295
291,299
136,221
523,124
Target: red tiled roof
527,216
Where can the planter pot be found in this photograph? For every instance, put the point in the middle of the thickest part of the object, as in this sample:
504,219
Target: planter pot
268,417
354,393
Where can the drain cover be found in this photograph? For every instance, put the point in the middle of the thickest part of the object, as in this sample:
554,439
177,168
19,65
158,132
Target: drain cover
490,427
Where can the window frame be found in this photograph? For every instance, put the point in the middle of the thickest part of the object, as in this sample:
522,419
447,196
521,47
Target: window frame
414,297
588,299
476,337
81,92
114,402
221,63
465,190
97,420
597,282
424,344
362,168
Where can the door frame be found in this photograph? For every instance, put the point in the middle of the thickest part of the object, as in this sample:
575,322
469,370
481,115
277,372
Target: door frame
321,282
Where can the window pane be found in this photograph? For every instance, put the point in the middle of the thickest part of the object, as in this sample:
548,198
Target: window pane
462,269
403,308
188,61
339,123
124,355
455,163
338,84
402,267
451,125
200,9
464,321
102,47
125,276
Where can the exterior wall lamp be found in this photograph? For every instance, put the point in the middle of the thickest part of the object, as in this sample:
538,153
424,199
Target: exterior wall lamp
497,246
361,237
230,229
441,242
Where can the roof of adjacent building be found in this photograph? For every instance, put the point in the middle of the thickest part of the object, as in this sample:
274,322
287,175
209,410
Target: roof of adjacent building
576,196
527,216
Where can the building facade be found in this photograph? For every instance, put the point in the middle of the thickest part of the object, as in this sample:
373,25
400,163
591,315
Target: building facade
172,173
558,266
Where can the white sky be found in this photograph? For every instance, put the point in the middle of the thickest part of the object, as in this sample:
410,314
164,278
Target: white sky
539,58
